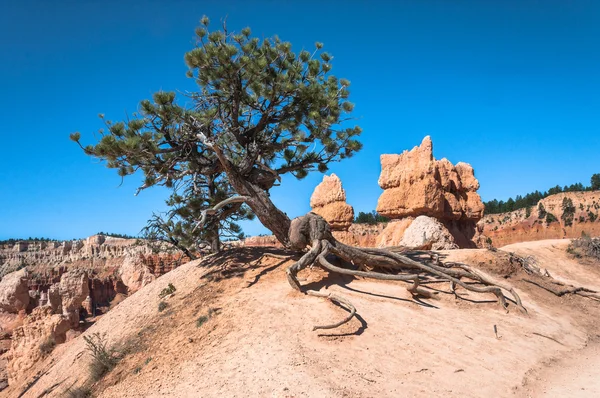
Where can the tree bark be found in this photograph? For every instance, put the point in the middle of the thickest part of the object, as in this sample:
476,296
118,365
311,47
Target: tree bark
262,206
215,244
255,185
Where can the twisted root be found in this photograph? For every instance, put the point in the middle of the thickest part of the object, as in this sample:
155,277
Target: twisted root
312,230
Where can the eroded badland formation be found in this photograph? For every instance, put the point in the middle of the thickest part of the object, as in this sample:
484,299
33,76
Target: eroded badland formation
227,324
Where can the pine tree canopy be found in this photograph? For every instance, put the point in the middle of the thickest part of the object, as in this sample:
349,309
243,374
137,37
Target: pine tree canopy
268,109
260,111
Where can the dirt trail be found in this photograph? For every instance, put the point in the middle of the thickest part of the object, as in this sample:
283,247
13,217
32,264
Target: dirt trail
552,255
576,375
259,341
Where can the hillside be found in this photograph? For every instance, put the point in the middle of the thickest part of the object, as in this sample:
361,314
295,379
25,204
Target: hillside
526,225
258,340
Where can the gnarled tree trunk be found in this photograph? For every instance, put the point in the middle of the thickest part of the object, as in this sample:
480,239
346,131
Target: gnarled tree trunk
262,206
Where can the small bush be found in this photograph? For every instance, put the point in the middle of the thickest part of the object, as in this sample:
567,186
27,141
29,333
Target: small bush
201,321
204,318
527,212
103,357
592,216
568,211
550,218
78,392
585,247
170,289
47,345
541,211
162,305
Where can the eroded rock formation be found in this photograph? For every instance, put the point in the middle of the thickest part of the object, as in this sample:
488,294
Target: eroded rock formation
14,293
98,252
415,184
41,331
73,290
135,274
61,284
329,201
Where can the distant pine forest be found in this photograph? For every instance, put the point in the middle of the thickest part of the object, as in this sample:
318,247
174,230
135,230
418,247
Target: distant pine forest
519,202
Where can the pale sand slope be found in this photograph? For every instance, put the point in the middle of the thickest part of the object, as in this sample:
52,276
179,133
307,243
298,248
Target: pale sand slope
260,341
576,374
551,254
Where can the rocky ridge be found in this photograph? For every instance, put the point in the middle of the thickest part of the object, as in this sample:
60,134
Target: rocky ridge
56,284
546,222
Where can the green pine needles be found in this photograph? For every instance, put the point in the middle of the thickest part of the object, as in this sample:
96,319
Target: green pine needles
260,111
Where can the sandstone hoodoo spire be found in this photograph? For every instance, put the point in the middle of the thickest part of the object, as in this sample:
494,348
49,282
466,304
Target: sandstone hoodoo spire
329,201
416,184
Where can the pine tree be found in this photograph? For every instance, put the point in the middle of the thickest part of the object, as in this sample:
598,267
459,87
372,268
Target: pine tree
261,111
595,182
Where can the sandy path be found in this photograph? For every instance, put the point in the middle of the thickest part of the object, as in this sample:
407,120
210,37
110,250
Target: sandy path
552,255
576,375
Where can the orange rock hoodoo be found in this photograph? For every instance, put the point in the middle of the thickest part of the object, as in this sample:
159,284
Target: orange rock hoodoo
416,184
329,201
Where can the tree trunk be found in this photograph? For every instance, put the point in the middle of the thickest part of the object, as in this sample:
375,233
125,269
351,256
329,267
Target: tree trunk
213,231
262,206
215,244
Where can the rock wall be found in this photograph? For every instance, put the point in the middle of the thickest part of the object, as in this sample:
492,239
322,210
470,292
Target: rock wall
329,201
526,225
97,252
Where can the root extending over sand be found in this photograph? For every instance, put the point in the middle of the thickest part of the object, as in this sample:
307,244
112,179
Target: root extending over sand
312,230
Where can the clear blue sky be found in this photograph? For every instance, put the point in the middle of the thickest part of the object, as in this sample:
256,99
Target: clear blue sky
512,87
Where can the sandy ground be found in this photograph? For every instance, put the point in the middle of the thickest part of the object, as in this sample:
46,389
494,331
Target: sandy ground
259,341
577,374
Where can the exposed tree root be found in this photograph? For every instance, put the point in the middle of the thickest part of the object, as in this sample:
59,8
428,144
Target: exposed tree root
337,299
312,230
545,281
561,289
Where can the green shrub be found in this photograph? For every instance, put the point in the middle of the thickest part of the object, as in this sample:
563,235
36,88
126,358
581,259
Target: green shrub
204,318
568,211
103,357
592,216
527,212
550,218
170,289
201,321
541,211
78,392
161,306
47,345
